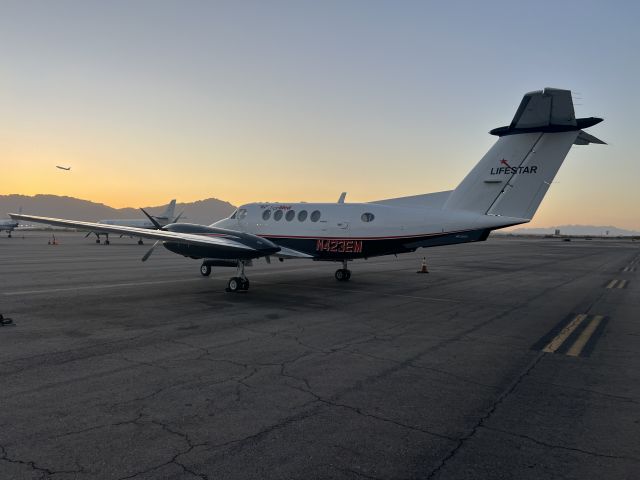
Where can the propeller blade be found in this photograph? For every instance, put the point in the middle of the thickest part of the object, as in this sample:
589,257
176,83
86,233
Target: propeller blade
88,234
153,220
175,220
268,259
148,254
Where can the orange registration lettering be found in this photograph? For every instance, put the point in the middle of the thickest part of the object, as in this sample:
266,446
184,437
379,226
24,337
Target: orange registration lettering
339,246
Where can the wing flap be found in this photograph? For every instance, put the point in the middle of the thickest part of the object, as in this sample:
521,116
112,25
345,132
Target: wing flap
291,253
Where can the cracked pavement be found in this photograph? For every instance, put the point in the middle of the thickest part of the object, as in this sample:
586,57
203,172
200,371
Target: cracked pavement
390,376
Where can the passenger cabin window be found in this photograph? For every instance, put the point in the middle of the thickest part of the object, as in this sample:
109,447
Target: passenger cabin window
242,213
367,217
302,215
266,215
277,216
315,215
290,215
233,215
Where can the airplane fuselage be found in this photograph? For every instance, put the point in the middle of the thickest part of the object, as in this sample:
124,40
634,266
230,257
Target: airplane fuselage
8,225
337,231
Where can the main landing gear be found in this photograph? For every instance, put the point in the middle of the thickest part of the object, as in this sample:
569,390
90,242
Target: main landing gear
343,274
239,282
140,242
106,241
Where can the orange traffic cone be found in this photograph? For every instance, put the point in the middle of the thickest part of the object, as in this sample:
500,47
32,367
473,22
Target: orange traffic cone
423,268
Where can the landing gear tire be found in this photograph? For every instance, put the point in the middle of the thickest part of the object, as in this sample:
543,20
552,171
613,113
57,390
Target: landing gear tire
97,240
205,270
343,275
107,242
237,284
9,236
140,242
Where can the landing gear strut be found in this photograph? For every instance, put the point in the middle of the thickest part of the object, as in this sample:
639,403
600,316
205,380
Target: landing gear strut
240,282
343,274
140,242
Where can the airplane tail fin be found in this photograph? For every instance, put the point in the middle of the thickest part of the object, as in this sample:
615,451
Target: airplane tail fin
514,176
169,211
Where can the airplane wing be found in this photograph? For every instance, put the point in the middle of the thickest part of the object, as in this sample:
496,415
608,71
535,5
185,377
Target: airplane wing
185,238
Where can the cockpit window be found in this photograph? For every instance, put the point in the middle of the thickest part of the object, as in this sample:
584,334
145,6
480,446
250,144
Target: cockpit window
233,215
242,213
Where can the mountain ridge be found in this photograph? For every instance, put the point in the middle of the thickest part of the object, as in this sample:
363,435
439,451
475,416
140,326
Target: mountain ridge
203,211
593,230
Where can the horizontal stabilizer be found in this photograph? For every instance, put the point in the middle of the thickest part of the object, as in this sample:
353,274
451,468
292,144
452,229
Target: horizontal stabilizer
545,111
585,139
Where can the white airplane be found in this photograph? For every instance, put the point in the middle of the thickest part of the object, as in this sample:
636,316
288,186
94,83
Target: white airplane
505,188
8,226
63,168
163,219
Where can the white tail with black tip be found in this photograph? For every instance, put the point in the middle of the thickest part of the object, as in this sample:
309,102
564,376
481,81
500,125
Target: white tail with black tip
515,174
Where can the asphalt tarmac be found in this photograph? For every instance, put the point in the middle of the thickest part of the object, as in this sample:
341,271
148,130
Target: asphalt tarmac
512,358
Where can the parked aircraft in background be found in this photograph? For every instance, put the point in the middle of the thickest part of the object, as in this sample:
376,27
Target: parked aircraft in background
8,226
163,219
505,188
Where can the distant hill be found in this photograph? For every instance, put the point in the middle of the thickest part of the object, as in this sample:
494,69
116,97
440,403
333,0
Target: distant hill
594,230
203,211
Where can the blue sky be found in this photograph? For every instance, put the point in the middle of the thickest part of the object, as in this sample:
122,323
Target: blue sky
296,100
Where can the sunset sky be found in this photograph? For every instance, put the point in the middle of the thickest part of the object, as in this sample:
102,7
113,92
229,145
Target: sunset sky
301,100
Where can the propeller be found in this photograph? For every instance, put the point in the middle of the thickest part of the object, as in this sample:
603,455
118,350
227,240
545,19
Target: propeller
150,251
88,234
153,220
175,220
153,247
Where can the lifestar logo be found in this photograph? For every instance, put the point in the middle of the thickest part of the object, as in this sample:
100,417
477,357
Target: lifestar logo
509,170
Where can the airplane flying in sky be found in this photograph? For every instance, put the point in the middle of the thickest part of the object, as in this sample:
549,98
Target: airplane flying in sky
63,168
505,188
163,219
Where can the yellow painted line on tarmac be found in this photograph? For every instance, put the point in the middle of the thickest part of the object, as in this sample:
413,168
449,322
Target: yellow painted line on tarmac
622,284
612,284
554,344
579,344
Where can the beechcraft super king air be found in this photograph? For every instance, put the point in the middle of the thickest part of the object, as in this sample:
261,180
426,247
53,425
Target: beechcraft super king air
505,188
